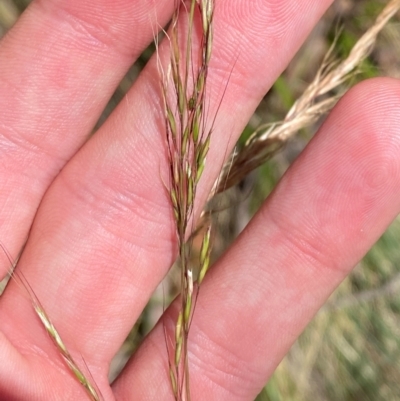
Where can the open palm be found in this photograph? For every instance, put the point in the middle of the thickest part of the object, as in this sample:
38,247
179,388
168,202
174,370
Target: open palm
101,233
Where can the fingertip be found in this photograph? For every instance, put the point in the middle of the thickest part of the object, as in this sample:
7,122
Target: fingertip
374,101
367,120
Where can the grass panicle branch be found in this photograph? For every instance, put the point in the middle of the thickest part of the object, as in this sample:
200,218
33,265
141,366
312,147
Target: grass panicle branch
20,280
269,138
63,350
188,138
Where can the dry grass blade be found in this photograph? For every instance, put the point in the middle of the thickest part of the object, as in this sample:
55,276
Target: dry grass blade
188,136
269,138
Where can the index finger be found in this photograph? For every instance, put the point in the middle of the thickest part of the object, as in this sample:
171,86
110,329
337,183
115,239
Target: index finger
59,66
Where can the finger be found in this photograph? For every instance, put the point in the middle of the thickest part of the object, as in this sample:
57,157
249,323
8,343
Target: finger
104,235
327,211
60,65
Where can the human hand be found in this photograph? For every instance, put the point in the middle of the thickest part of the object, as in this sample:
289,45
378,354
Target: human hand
103,234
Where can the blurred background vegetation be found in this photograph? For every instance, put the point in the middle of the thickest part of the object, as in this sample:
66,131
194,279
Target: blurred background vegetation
351,350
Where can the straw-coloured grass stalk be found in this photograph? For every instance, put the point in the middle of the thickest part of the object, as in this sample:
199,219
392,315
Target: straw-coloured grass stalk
269,138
